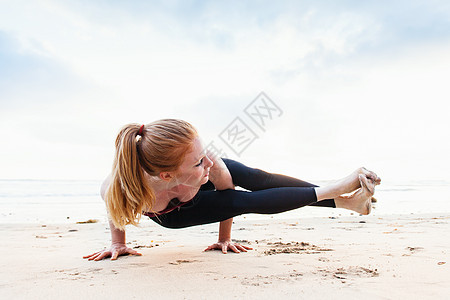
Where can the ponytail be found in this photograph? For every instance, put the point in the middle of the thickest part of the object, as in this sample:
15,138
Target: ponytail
128,193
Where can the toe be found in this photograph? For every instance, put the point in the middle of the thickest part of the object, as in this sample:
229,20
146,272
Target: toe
370,174
366,184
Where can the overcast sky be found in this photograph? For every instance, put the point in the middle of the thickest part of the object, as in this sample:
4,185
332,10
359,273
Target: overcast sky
359,82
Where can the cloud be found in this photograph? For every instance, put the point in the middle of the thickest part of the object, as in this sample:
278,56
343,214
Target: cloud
75,72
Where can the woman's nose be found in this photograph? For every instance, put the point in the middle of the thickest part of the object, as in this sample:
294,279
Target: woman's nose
209,162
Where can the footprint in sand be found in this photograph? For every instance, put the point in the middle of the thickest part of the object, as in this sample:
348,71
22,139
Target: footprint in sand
270,279
181,261
412,250
293,247
76,274
94,270
348,273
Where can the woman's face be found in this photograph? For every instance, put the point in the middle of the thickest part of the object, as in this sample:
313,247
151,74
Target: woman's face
194,171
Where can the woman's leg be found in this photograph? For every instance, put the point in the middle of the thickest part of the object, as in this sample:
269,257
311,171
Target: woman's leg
253,179
210,206
214,206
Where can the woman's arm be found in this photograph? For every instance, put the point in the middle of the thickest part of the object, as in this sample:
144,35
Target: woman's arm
221,178
118,243
117,236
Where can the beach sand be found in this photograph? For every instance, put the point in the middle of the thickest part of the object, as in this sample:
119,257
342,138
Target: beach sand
369,257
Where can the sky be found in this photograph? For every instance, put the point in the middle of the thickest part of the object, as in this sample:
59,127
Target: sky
359,83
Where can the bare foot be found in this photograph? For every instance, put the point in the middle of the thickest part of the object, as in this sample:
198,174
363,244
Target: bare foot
370,174
361,200
352,182
348,184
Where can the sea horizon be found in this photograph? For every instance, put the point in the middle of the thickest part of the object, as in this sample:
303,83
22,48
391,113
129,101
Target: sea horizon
68,201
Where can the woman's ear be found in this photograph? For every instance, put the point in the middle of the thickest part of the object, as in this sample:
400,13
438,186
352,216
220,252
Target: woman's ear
167,176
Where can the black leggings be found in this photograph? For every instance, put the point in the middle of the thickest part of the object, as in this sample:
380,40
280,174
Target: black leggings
269,194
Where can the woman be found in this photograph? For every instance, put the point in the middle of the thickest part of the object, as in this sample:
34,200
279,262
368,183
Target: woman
163,171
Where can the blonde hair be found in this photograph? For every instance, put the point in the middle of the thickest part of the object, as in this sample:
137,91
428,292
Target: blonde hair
161,147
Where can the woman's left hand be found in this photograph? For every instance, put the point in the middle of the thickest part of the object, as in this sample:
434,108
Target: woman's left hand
228,245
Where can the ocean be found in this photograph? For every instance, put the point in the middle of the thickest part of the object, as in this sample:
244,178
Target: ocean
70,201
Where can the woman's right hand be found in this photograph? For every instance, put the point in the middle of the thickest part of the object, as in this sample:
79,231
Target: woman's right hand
114,252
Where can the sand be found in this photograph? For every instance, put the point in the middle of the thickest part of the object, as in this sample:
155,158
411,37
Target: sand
369,257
